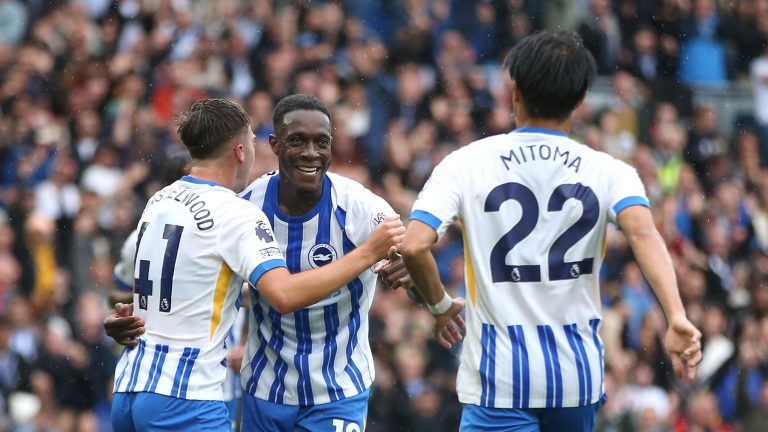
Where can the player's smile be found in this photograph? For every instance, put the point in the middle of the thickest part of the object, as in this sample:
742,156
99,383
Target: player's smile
307,175
309,170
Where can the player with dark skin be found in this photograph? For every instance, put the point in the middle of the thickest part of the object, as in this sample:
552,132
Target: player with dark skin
303,150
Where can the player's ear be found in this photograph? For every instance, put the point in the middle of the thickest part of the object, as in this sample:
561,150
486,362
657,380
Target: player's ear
273,144
239,152
581,100
514,90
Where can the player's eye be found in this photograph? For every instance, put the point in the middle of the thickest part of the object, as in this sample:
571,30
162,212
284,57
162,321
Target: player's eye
296,140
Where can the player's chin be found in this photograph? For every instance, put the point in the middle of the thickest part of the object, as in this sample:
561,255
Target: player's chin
304,184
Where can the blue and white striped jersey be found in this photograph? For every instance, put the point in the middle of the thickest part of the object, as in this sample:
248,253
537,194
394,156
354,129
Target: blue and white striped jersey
318,354
196,243
534,206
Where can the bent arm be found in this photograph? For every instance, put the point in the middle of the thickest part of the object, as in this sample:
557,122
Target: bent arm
290,292
651,254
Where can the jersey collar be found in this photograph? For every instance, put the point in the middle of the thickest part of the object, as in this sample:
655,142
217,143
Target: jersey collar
540,130
195,180
271,201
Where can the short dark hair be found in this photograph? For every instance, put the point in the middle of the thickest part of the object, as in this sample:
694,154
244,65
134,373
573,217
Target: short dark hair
553,71
296,102
209,125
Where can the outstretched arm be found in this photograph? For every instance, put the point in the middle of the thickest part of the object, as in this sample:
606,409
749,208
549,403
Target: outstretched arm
683,340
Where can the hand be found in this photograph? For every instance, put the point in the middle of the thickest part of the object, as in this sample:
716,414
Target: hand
390,232
122,326
393,273
235,358
683,344
449,327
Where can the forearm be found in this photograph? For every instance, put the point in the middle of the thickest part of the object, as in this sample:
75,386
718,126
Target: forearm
425,276
654,260
291,292
417,256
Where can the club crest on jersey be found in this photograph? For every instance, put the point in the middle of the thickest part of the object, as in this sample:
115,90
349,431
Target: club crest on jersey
264,232
321,254
516,274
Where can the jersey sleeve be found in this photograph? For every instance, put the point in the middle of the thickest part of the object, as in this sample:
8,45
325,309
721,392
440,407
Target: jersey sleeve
124,267
247,243
625,190
439,201
366,211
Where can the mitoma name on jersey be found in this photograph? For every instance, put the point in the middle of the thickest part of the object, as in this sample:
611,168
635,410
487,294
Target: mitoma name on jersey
191,201
541,152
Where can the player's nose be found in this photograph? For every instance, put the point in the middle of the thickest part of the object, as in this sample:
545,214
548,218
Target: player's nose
311,150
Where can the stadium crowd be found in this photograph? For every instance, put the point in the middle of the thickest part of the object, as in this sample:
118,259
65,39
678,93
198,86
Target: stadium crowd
88,93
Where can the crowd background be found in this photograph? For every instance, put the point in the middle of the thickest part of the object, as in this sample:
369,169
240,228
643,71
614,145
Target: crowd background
89,88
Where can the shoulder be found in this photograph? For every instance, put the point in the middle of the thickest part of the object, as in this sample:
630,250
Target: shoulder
476,149
483,144
258,187
341,183
353,196
600,159
224,203
613,165
347,190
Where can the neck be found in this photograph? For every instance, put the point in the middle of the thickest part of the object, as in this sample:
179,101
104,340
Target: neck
563,126
217,173
524,120
294,201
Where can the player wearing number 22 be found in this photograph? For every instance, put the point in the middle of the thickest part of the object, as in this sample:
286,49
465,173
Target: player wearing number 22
197,242
534,206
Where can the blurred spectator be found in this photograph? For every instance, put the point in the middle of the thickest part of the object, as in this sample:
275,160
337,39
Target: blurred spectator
650,61
701,414
602,35
758,71
702,55
757,417
706,148
737,30
14,369
13,21
717,345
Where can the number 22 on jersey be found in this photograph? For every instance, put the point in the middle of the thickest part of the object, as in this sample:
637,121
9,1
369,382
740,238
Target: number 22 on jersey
559,269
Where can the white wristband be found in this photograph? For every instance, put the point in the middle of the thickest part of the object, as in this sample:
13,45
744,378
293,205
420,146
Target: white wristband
442,306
